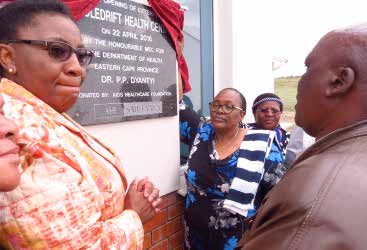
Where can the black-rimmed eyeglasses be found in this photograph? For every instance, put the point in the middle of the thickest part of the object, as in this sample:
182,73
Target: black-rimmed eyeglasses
265,111
226,109
60,51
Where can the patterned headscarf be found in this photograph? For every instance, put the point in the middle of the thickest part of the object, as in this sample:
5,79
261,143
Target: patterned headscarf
266,97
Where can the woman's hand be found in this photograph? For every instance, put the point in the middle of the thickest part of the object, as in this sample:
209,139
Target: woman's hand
150,192
142,197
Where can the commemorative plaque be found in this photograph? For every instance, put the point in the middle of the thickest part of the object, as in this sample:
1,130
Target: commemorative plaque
133,73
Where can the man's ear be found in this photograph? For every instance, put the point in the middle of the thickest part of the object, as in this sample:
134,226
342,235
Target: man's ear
7,56
342,82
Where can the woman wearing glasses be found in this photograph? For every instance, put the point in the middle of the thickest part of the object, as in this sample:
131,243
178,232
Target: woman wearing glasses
73,191
225,167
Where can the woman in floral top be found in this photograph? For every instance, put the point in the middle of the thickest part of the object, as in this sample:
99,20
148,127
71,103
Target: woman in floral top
9,153
212,166
73,192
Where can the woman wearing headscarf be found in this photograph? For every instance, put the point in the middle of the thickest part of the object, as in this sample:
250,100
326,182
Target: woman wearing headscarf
73,191
267,109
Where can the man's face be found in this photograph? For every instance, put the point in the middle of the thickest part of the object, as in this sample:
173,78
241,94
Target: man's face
311,108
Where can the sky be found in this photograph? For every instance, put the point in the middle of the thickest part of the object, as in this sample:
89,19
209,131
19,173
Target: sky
296,26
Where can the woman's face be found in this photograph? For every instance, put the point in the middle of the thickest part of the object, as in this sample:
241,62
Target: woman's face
221,120
267,115
9,153
55,82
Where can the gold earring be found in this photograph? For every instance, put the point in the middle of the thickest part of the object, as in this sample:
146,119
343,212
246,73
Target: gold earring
11,70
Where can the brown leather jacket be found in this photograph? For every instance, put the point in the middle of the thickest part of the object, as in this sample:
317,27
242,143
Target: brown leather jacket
321,202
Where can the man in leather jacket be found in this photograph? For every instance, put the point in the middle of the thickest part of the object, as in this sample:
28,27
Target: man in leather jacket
321,202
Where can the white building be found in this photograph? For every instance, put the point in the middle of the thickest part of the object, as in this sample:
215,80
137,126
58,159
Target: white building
224,48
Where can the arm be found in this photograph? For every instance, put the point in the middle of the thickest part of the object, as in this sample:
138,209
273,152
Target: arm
125,231
272,230
278,218
78,204
189,120
180,87
122,232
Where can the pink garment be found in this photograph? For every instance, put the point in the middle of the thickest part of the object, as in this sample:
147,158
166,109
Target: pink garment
72,189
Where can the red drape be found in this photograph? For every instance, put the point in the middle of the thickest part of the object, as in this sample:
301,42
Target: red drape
172,17
78,8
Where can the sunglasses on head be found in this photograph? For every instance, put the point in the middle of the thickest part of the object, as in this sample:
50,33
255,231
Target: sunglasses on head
60,51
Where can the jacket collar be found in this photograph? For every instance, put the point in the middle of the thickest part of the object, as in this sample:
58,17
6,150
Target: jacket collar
342,134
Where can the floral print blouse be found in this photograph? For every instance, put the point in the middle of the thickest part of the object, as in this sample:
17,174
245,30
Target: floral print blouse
72,189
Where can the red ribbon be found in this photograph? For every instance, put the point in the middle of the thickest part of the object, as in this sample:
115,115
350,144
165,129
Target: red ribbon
78,8
172,17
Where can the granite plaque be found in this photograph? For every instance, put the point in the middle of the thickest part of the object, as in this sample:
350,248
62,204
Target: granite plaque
133,73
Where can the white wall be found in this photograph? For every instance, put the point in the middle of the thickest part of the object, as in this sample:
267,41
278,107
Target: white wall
242,60
223,44
242,55
147,147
